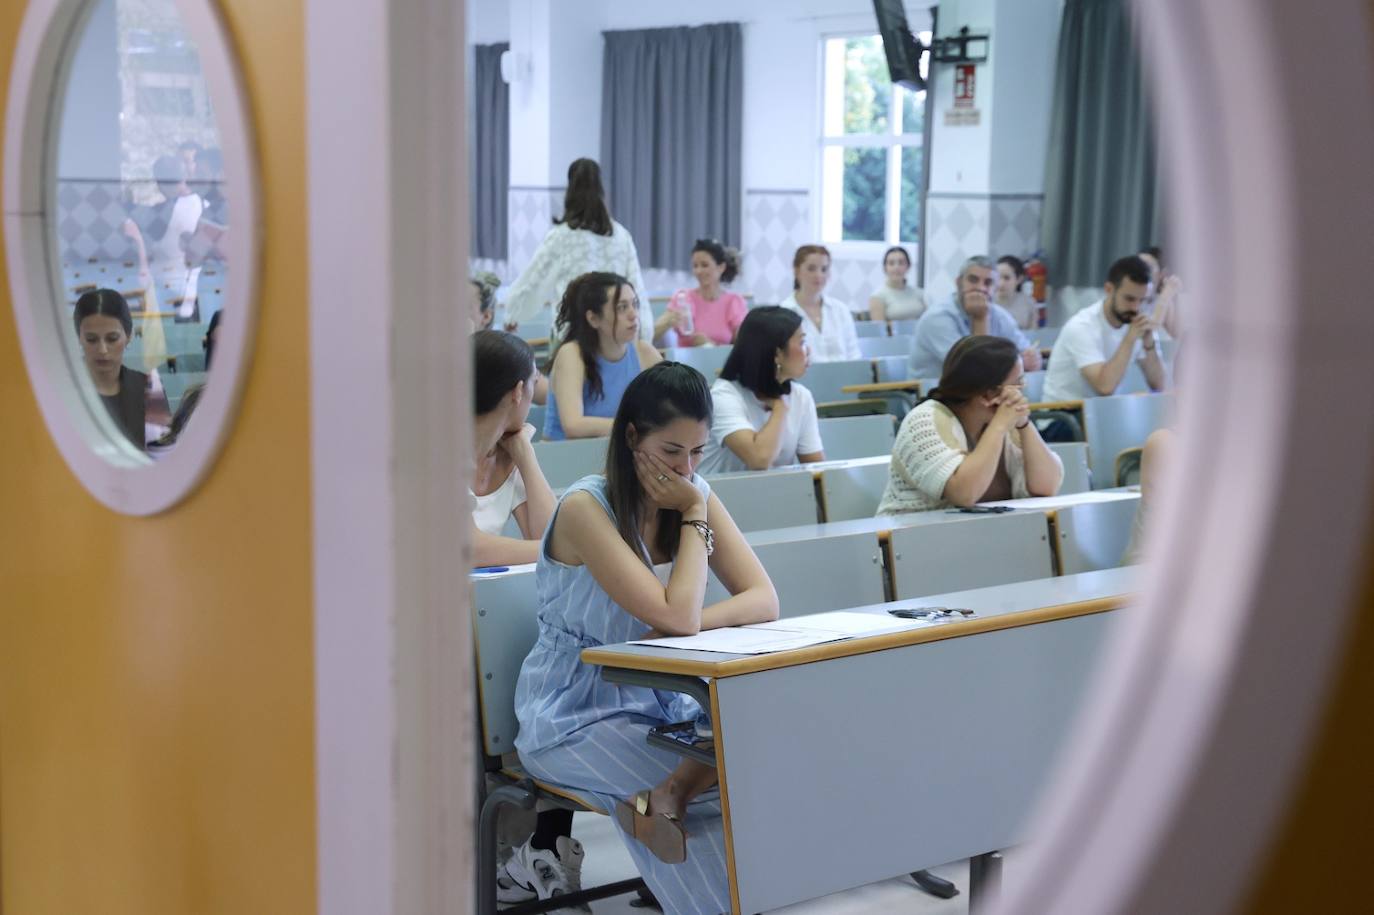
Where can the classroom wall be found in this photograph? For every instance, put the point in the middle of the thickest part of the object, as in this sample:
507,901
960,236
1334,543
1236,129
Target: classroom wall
156,674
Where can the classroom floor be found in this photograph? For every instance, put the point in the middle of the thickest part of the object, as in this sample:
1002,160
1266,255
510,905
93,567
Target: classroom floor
608,861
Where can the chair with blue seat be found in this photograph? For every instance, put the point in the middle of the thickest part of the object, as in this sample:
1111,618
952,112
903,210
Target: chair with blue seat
903,327
566,462
969,551
1113,424
708,360
872,347
867,329
763,500
813,574
826,380
1035,386
853,492
1074,456
1094,535
504,628
846,437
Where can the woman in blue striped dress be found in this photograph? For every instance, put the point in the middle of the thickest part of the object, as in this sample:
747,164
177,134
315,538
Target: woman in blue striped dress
627,554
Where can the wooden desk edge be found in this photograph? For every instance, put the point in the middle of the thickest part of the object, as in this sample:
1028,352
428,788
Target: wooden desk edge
1058,405
878,387
849,647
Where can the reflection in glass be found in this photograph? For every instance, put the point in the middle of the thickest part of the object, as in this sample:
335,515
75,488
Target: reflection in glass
141,216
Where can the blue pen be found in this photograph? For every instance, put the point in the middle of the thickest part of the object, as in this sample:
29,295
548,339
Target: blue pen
490,570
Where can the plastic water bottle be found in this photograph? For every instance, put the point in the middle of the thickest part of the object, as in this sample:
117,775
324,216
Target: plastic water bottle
686,326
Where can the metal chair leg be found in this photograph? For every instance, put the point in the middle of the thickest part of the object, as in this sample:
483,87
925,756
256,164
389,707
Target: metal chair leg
486,840
938,887
984,881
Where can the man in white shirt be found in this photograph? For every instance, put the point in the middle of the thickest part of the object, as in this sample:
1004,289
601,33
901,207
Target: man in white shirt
1098,344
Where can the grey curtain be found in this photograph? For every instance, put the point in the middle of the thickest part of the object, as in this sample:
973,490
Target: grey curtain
672,104
1103,197
490,177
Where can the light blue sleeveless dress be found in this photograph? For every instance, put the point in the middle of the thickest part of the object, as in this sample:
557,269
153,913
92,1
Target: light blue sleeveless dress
588,735
615,378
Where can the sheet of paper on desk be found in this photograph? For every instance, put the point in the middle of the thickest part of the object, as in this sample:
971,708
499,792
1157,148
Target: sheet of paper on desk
1077,498
742,640
845,622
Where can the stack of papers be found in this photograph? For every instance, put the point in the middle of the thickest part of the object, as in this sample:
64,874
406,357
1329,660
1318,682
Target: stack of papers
786,635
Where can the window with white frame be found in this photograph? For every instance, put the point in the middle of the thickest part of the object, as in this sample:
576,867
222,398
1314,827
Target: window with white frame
872,145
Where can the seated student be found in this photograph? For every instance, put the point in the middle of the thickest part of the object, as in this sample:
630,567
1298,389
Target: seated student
707,314
1011,277
627,554
969,311
506,479
482,305
896,300
972,440
506,483
600,356
134,400
763,416
1098,344
829,323
1166,289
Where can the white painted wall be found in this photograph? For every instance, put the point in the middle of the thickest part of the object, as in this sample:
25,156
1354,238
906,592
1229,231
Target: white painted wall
1023,91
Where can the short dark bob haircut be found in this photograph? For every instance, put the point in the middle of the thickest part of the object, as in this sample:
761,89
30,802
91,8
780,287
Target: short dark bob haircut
753,362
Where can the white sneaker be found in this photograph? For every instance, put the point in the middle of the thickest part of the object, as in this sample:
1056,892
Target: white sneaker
507,890
548,874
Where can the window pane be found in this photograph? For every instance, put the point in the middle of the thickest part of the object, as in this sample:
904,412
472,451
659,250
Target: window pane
867,89
865,193
912,157
913,111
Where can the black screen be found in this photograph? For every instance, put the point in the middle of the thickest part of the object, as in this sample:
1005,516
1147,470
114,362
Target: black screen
902,49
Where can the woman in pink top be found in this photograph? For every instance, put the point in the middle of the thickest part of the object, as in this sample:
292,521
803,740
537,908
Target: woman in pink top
707,314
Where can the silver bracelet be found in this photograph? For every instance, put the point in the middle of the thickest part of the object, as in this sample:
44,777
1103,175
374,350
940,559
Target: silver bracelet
706,533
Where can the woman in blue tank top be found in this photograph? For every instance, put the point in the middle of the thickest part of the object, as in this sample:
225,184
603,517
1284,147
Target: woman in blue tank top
599,357
627,553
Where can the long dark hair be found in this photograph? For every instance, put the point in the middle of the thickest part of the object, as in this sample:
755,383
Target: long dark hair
974,366
584,202
657,396
589,292
104,302
753,360
500,361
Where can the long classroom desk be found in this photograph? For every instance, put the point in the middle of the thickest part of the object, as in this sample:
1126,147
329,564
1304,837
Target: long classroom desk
851,762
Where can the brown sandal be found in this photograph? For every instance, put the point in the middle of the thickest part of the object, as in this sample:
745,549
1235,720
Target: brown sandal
661,833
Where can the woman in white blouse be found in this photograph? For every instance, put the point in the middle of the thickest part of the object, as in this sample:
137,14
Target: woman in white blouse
973,440
762,416
828,323
506,479
586,239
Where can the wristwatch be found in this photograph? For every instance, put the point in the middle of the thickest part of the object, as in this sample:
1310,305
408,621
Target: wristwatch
706,533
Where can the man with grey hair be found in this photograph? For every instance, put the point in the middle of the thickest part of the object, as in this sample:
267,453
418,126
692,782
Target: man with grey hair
969,311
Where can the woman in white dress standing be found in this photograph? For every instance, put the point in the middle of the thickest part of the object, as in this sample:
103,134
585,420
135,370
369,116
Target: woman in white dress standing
584,240
828,322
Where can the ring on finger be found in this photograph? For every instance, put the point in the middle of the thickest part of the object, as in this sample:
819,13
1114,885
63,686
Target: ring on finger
663,478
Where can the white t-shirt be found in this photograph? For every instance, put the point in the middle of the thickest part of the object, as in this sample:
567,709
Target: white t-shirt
491,512
1087,339
736,409
837,340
